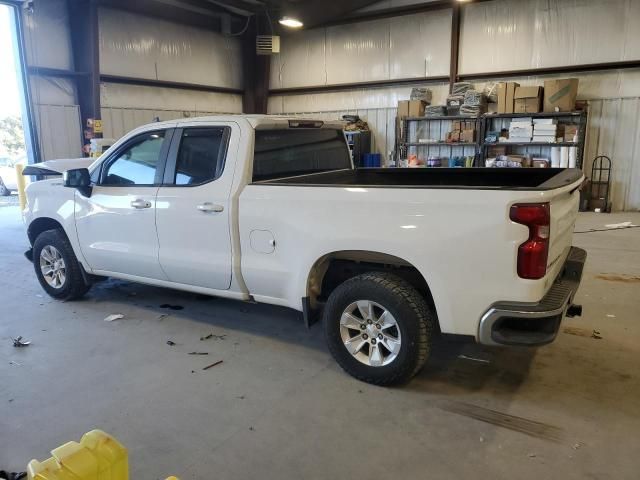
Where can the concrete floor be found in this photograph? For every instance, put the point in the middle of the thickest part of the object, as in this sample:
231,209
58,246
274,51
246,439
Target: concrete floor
279,407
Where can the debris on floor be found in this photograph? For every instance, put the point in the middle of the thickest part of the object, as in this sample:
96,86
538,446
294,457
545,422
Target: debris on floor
579,332
532,455
171,343
596,334
162,316
11,362
211,335
198,353
610,315
473,359
578,445
614,277
213,365
12,476
19,343
171,307
620,225
113,317
240,397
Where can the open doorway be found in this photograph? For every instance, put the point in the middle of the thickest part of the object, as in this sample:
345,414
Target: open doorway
15,141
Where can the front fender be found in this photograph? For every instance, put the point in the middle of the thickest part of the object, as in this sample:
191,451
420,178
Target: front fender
49,199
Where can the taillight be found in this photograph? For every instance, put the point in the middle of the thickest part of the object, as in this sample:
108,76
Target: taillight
532,254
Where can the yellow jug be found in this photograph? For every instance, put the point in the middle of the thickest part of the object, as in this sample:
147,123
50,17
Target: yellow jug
98,456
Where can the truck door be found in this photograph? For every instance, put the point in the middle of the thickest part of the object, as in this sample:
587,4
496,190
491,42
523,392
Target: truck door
116,224
193,205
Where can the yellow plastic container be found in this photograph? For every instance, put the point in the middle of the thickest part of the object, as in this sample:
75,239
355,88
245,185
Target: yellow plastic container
98,456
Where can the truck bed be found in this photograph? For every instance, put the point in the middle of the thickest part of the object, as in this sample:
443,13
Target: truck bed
452,178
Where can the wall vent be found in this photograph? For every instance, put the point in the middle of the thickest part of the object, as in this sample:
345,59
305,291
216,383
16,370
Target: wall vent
267,44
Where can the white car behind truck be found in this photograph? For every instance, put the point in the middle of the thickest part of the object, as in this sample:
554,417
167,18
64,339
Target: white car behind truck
271,210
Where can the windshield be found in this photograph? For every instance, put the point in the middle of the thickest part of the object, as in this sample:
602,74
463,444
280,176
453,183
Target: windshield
285,152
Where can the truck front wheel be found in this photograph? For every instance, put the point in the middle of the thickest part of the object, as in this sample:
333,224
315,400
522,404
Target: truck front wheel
379,328
57,267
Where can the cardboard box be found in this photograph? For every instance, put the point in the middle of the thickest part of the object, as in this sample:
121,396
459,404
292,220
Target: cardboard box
453,137
496,151
411,108
540,163
527,100
468,135
506,93
570,131
560,94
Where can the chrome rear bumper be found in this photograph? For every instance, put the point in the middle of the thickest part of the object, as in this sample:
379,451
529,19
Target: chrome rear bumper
509,323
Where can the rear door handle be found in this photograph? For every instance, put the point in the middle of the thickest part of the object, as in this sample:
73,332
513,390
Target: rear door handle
210,207
139,203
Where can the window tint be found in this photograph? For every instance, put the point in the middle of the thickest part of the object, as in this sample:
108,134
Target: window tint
200,156
288,152
137,165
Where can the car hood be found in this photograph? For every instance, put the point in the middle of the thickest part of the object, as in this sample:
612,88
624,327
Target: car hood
57,167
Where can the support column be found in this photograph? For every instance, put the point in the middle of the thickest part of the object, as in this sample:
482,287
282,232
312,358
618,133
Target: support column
455,45
83,25
256,68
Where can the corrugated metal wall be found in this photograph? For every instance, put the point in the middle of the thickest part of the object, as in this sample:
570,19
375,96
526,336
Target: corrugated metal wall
59,131
125,107
133,45
614,131
56,110
119,121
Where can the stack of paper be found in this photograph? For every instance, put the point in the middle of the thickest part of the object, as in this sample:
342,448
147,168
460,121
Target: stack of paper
521,130
544,130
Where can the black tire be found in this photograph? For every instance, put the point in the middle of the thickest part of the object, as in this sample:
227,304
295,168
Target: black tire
74,285
415,320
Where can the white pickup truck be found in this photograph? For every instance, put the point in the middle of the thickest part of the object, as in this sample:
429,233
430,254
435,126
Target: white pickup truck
271,209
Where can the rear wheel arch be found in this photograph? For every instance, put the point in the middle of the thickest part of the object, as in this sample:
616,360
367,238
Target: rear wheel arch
332,269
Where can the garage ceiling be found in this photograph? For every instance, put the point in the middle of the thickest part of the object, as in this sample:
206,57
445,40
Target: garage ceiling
214,14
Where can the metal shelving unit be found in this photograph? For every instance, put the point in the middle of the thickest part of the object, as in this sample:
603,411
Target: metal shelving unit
496,122
434,131
437,128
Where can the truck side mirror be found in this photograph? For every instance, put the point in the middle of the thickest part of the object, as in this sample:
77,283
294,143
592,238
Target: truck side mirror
79,179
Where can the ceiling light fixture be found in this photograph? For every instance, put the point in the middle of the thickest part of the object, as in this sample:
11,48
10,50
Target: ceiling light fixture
290,22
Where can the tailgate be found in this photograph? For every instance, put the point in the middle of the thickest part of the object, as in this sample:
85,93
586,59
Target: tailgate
564,211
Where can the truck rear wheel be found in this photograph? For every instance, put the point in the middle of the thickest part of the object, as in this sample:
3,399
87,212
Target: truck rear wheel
379,328
57,267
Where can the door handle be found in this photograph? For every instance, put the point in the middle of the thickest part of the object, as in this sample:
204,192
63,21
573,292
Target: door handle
139,203
210,207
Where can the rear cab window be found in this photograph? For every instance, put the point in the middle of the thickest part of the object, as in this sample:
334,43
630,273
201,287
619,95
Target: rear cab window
287,152
201,155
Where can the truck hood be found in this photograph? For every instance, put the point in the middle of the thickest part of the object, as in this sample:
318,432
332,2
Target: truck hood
57,167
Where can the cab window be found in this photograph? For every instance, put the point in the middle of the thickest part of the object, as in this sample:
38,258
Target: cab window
138,163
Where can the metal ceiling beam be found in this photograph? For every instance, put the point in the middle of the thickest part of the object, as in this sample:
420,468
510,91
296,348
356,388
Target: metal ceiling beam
189,12
397,82
390,12
532,72
317,13
147,82
239,7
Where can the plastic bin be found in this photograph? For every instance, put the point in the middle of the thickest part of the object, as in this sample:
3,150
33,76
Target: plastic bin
98,456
